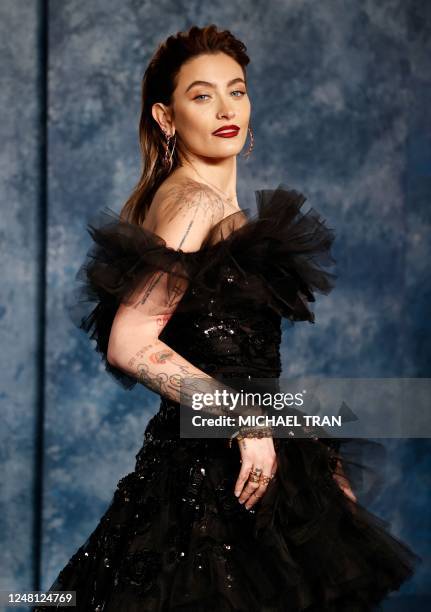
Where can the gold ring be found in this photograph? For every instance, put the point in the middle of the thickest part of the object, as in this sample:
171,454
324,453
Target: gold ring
266,479
256,471
254,477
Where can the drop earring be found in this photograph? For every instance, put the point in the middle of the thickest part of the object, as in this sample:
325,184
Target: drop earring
251,146
169,152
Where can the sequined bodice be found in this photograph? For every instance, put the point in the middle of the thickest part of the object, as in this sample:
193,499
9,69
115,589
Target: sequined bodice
219,340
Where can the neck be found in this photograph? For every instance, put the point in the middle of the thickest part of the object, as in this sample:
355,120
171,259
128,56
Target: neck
220,174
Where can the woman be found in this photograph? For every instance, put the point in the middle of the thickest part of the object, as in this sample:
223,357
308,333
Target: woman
190,288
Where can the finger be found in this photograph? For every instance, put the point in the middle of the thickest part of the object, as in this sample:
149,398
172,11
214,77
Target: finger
256,489
255,497
242,477
260,491
248,491
251,486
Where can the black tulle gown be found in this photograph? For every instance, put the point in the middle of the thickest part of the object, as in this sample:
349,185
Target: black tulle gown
174,536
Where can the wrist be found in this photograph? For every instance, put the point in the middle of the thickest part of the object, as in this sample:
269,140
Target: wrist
254,432
251,432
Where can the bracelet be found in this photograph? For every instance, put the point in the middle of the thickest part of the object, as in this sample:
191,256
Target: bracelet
251,432
254,432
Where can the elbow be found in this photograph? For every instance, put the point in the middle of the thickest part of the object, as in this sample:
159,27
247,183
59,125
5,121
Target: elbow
119,338
122,346
110,358
112,352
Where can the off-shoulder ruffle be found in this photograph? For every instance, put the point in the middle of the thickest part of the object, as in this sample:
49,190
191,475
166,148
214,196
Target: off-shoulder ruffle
280,254
278,257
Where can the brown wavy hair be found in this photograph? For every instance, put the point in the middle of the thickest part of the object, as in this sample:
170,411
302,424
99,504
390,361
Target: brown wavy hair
158,85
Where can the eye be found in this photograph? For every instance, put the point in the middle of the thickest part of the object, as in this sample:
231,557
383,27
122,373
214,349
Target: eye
237,91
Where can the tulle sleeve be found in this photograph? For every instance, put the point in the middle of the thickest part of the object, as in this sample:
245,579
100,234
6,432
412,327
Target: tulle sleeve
122,257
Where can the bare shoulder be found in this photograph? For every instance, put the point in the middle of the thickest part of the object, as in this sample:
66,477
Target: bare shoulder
183,211
181,195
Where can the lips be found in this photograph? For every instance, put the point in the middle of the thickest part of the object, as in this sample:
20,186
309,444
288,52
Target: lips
227,131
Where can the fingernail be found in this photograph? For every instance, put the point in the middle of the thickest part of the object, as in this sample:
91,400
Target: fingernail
241,501
237,493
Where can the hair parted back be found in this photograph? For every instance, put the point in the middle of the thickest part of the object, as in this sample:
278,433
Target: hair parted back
158,84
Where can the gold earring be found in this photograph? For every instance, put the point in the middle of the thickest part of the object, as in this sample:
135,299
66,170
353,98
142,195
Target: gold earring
251,146
167,157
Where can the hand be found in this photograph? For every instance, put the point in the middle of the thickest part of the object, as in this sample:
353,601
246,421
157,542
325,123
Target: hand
342,481
255,453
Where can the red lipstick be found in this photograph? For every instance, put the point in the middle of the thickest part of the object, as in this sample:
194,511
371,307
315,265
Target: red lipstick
227,131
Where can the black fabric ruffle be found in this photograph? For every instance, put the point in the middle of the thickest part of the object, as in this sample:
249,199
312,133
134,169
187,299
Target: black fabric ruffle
174,537
279,256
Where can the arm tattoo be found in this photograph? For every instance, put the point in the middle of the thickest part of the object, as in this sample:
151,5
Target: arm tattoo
181,199
161,381
152,365
164,371
150,372
148,290
139,354
177,292
186,233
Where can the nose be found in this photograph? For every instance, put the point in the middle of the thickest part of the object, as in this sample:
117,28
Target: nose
225,112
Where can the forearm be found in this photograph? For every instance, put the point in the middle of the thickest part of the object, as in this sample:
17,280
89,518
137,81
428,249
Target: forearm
157,366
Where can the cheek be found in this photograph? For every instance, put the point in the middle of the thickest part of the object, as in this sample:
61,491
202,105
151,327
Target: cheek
196,123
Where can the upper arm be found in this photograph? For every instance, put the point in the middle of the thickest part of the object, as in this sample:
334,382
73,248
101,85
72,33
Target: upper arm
186,214
183,220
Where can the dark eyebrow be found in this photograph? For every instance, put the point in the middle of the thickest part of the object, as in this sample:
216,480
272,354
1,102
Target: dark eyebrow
238,80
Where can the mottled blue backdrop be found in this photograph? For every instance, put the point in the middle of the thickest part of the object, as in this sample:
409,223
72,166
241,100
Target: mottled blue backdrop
340,93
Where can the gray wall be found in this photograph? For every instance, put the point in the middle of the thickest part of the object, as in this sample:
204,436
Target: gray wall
339,92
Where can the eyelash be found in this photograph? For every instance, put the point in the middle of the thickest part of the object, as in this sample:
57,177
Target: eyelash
236,90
